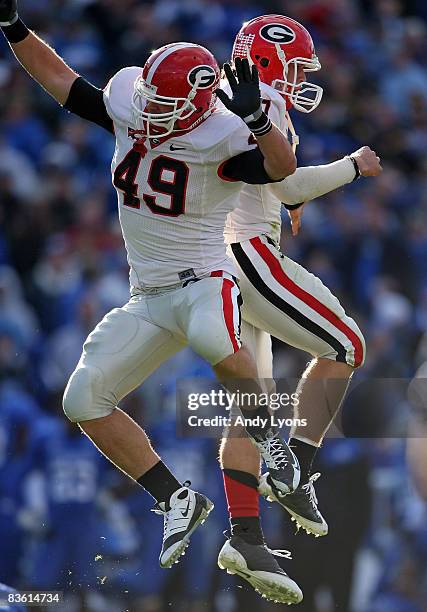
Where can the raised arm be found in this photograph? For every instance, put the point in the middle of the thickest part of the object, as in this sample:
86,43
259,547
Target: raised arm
50,70
38,59
279,159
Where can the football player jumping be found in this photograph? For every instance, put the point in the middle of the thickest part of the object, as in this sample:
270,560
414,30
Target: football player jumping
281,298
178,168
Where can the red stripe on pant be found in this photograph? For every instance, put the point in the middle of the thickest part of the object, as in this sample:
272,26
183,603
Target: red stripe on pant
278,273
242,500
228,310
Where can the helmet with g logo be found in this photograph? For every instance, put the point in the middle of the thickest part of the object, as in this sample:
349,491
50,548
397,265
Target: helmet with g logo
179,80
274,43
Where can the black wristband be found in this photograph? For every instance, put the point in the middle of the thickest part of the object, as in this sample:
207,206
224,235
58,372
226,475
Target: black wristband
292,206
16,32
356,167
261,126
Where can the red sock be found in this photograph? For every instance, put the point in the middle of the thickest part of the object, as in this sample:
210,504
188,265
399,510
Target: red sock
241,490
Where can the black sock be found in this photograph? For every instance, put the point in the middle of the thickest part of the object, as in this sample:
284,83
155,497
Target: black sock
305,454
159,482
248,528
253,429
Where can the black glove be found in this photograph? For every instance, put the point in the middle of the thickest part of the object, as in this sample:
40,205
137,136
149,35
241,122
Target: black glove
246,100
8,12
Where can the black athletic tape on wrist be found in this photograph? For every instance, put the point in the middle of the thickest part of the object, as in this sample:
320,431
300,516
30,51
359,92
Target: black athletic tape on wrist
261,126
356,167
16,32
292,206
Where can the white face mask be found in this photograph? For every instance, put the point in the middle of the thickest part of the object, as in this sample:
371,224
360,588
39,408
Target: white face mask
155,125
305,96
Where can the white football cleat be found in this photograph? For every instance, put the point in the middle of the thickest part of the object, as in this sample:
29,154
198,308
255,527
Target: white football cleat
187,510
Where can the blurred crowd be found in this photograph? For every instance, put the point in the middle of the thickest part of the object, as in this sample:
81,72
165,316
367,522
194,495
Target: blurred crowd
68,521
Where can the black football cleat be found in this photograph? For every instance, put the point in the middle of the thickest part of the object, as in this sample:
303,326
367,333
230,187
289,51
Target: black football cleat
282,463
301,504
256,564
187,510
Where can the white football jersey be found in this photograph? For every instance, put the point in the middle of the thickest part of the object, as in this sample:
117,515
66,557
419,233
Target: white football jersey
172,201
259,210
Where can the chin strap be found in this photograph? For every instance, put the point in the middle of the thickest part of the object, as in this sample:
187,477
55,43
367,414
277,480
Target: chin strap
294,135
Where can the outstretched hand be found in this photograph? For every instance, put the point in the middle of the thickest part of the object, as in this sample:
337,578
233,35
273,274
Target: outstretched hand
8,12
246,95
368,162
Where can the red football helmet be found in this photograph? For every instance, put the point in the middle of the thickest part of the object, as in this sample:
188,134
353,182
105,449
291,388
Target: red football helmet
179,79
274,43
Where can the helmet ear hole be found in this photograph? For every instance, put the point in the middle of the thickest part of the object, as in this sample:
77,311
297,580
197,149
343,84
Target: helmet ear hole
264,62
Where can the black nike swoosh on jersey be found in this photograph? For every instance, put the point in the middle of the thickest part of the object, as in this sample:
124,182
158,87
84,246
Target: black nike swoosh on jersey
185,514
174,148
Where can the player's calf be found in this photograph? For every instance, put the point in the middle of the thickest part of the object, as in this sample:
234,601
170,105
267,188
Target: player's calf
277,455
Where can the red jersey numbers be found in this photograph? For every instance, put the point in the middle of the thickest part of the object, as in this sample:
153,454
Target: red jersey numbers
166,176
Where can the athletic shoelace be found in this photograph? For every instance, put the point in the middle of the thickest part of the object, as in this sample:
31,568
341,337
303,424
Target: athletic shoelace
171,515
274,452
309,489
280,552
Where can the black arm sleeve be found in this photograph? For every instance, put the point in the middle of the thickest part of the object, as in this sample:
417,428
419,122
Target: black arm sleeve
86,101
247,167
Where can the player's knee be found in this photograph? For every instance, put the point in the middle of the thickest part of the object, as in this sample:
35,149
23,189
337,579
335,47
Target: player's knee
239,364
84,398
